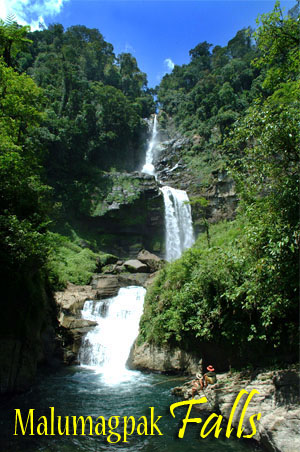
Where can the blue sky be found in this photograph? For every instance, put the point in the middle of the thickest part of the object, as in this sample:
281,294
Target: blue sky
158,33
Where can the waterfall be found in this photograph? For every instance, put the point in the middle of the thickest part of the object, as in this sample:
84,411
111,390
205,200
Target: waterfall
148,168
178,219
106,348
178,216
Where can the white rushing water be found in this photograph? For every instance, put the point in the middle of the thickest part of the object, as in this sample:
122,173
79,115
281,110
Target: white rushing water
106,348
178,220
148,168
178,216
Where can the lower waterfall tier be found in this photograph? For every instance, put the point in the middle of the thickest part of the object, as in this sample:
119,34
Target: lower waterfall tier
178,222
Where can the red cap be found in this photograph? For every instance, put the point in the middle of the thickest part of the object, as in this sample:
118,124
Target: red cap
210,368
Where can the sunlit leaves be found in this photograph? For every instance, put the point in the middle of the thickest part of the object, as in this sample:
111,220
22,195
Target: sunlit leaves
23,198
278,41
13,38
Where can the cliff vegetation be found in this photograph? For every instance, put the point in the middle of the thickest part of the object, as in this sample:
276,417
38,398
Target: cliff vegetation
238,287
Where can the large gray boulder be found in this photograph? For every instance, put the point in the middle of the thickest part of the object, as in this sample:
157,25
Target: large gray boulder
72,298
136,266
151,260
106,286
163,359
74,331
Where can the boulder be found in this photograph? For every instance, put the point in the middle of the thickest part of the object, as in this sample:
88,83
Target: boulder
151,260
105,259
73,323
106,286
70,302
72,299
136,266
134,279
73,330
163,359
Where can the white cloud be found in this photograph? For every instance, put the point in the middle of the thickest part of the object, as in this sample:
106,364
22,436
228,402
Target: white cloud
169,64
31,12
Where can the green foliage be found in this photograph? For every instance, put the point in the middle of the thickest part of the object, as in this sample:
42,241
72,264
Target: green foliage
213,89
278,41
206,96
13,38
21,104
214,302
132,79
24,199
199,306
241,289
116,122
267,170
69,262
94,105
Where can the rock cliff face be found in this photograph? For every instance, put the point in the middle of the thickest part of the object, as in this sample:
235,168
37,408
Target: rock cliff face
174,170
277,400
27,336
125,211
157,358
129,218
162,359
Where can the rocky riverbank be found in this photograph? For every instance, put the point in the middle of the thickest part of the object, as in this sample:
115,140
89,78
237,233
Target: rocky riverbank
277,400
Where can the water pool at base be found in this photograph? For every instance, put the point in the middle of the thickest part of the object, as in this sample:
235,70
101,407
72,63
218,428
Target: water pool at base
79,391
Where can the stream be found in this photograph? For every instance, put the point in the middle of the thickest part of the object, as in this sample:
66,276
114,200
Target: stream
82,391
104,386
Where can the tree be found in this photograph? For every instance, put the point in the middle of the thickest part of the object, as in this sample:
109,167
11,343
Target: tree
264,154
13,38
240,45
201,55
133,81
23,197
278,41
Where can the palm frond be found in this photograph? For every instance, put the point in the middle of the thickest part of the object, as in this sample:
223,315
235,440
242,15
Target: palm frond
11,20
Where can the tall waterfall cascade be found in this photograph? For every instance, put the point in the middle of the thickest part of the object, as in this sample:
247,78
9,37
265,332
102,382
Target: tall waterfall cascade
106,348
148,167
178,215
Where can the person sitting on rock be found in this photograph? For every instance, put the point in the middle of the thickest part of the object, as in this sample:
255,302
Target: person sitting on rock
209,377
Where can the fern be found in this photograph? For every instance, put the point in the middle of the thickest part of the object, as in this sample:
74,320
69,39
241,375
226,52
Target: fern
10,20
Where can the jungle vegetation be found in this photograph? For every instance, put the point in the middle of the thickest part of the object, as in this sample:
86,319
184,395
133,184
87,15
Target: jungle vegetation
240,291
71,109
